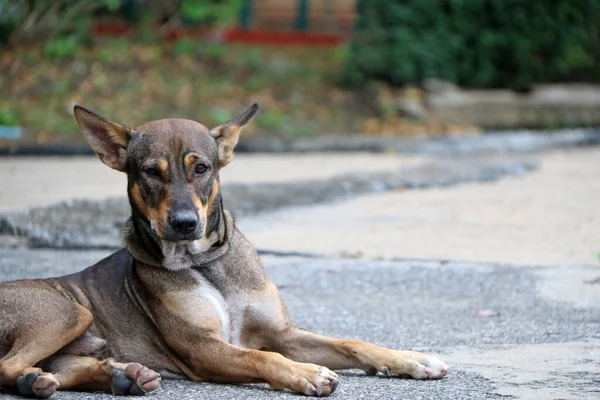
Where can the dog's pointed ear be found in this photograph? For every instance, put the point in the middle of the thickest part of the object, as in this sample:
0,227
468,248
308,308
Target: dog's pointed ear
228,134
108,139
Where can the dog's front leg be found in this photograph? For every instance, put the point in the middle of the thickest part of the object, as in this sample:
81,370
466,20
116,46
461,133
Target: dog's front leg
268,319
193,324
215,360
304,346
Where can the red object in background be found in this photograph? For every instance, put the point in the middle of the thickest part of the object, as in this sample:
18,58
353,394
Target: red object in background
278,37
177,33
265,36
112,28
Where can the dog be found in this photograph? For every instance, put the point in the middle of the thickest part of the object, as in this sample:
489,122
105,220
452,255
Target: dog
187,297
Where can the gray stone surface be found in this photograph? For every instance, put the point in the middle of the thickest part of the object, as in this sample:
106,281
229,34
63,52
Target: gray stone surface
537,347
544,105
75,223
489,143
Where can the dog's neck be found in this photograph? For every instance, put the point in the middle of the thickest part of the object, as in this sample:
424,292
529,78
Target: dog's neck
146,247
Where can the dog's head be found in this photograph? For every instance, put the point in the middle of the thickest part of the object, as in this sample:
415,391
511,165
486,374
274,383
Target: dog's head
172,167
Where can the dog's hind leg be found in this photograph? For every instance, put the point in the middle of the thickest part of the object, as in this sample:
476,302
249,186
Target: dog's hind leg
87,345
90,374
37,321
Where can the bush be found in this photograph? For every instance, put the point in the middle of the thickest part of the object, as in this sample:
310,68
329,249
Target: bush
474,43
25,22
62,25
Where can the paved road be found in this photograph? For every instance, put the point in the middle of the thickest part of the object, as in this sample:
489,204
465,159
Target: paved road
540,231
40,181
549,216
543,344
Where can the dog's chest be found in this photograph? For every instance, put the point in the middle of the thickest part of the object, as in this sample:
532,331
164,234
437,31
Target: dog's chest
230,314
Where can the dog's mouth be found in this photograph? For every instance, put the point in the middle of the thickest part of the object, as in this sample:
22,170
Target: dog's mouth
193,247
180,239
194,243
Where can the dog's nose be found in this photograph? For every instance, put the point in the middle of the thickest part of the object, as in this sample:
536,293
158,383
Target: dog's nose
184,222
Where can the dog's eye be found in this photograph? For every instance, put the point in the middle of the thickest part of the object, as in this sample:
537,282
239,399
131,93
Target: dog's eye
201,168
151,171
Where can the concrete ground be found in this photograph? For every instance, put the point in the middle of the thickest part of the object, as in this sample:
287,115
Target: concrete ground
543,341
517,317
550,216
40,181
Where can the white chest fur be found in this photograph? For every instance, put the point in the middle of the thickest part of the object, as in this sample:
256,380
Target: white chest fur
207,292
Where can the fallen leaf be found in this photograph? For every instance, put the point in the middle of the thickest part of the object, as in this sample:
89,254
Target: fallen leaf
486,314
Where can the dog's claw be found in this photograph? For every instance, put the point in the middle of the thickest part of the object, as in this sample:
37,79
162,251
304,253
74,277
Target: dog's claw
334,383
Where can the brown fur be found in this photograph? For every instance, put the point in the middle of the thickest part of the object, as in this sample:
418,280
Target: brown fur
138,200
188,296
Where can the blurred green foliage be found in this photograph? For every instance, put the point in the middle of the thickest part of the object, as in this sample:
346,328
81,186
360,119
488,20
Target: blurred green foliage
7,116
64,22
63,26
474,43
62,46
209,12
133,82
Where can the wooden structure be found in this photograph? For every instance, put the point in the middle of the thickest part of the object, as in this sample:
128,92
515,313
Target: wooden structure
324,16
283,22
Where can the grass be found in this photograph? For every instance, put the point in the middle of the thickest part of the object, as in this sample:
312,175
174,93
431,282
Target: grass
132,83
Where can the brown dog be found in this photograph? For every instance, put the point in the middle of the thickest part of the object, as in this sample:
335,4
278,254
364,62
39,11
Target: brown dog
187,297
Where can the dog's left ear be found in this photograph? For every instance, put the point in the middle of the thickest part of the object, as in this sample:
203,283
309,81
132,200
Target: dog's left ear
228,134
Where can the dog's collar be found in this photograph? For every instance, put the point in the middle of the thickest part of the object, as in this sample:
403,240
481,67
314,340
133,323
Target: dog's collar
134,244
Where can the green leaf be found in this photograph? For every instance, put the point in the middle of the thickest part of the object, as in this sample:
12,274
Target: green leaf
112,5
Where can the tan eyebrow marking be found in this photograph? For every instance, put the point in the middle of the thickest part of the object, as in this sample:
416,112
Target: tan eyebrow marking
163,165
190,159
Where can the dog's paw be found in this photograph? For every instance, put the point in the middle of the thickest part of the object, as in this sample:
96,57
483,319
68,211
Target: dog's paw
37,385
416,365
322,382
429,367
314,380
133,379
